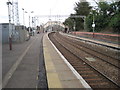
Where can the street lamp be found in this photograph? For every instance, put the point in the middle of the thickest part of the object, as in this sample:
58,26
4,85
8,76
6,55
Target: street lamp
23,18
33,22
93,24
59,24
84,22
9,16
29,18
74,26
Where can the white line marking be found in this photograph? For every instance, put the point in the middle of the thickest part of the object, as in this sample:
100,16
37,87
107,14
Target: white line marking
84,83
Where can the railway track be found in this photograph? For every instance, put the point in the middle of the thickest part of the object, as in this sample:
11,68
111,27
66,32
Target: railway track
94,52
117,42
98,44
93,76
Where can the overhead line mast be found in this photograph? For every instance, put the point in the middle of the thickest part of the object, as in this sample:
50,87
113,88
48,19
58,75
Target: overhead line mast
15,12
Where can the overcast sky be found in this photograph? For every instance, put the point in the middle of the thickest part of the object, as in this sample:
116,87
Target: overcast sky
40,7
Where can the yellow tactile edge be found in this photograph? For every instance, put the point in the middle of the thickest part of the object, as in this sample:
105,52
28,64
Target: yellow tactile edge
52,76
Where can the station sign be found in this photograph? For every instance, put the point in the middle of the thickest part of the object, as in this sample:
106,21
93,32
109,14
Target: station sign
93,25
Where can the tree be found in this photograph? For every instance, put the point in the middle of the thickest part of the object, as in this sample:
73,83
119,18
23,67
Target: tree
104,8
115,16
106,16
70,23
83,9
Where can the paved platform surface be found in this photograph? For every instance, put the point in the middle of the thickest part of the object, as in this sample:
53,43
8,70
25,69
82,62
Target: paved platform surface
59,75
21,65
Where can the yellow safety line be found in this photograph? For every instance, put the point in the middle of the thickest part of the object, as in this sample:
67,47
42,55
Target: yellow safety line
52,76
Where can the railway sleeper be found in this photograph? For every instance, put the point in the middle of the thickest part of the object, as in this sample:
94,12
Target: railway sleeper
79,66
90,77
95,80
101,83
75,62
82,69
85,71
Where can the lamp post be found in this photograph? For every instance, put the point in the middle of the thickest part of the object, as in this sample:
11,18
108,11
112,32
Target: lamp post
36,22
93,25
10,33
74,26
84,22
33,22
29,18
59,24
23,18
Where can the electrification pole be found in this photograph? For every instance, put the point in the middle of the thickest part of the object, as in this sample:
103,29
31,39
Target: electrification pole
10,33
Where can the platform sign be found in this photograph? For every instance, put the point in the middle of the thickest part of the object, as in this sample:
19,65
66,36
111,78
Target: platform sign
93,25
74,27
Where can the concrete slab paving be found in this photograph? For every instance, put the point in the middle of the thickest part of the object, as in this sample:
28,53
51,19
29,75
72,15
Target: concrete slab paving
26,73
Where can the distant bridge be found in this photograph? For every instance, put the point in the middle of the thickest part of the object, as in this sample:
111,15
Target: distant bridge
51,23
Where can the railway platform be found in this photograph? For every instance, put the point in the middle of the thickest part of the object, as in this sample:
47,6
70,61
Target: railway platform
107,44
60,74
